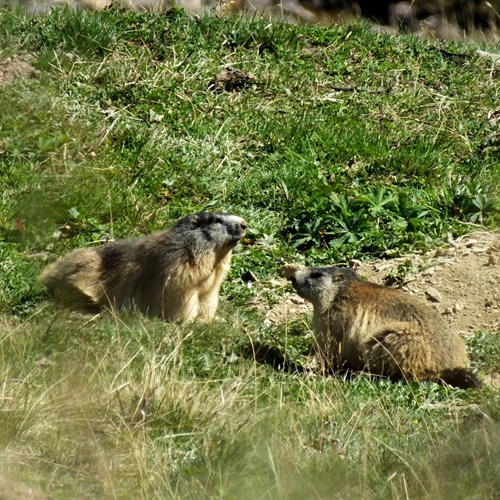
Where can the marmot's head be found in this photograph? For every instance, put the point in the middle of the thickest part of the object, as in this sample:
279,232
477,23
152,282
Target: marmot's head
210,230
320,285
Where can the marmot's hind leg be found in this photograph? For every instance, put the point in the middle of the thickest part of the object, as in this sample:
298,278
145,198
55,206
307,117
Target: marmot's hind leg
400,351
74,280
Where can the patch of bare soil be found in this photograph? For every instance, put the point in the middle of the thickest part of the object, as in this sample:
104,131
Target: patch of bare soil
16,67
230,79
462,281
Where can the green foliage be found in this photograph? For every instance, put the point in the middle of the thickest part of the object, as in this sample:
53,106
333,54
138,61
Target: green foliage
485,351
344,144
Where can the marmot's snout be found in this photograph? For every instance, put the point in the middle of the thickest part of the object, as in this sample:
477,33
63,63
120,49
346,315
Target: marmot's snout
241,228
290,271
238,229
294,281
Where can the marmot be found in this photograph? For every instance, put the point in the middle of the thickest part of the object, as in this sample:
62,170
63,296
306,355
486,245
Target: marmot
365,326
174,274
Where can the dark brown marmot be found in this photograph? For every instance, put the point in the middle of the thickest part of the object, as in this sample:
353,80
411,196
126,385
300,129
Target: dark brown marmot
365,326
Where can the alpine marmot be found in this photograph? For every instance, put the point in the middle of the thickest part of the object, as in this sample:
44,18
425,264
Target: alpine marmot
174,274
365,326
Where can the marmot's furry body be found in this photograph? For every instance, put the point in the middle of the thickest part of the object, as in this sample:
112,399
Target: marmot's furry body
365,326
174,274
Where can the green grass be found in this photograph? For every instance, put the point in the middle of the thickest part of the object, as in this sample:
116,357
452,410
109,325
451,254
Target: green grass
345,144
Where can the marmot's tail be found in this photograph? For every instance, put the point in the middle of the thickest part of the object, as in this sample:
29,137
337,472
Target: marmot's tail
462,378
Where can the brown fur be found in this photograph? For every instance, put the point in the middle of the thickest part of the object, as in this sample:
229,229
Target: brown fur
365,326
174,274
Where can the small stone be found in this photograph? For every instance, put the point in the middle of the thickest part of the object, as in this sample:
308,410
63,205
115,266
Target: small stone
41,256
232,358
479,249
381,266
444,252
470,243
45,362
429,272
433,295
492,260
456,308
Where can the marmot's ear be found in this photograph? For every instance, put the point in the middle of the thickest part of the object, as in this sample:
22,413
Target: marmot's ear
213,218
196,221
338,277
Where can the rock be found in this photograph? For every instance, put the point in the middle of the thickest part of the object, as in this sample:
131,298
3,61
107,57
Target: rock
429,272
93,4
492,381
492,260
433,295
490,55
444,252
381,266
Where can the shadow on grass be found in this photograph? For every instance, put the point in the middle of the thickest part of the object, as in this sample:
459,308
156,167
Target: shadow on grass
271,356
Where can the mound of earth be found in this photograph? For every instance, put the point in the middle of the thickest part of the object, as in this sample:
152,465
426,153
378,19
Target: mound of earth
16,67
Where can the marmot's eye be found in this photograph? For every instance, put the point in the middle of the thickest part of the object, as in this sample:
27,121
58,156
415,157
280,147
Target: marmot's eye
316,275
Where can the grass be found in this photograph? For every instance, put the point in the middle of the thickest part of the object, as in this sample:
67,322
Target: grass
345,143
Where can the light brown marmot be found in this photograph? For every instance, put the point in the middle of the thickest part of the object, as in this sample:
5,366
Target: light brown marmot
364,326
174,274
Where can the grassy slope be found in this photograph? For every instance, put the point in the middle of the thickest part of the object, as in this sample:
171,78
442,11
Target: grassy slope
118,135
